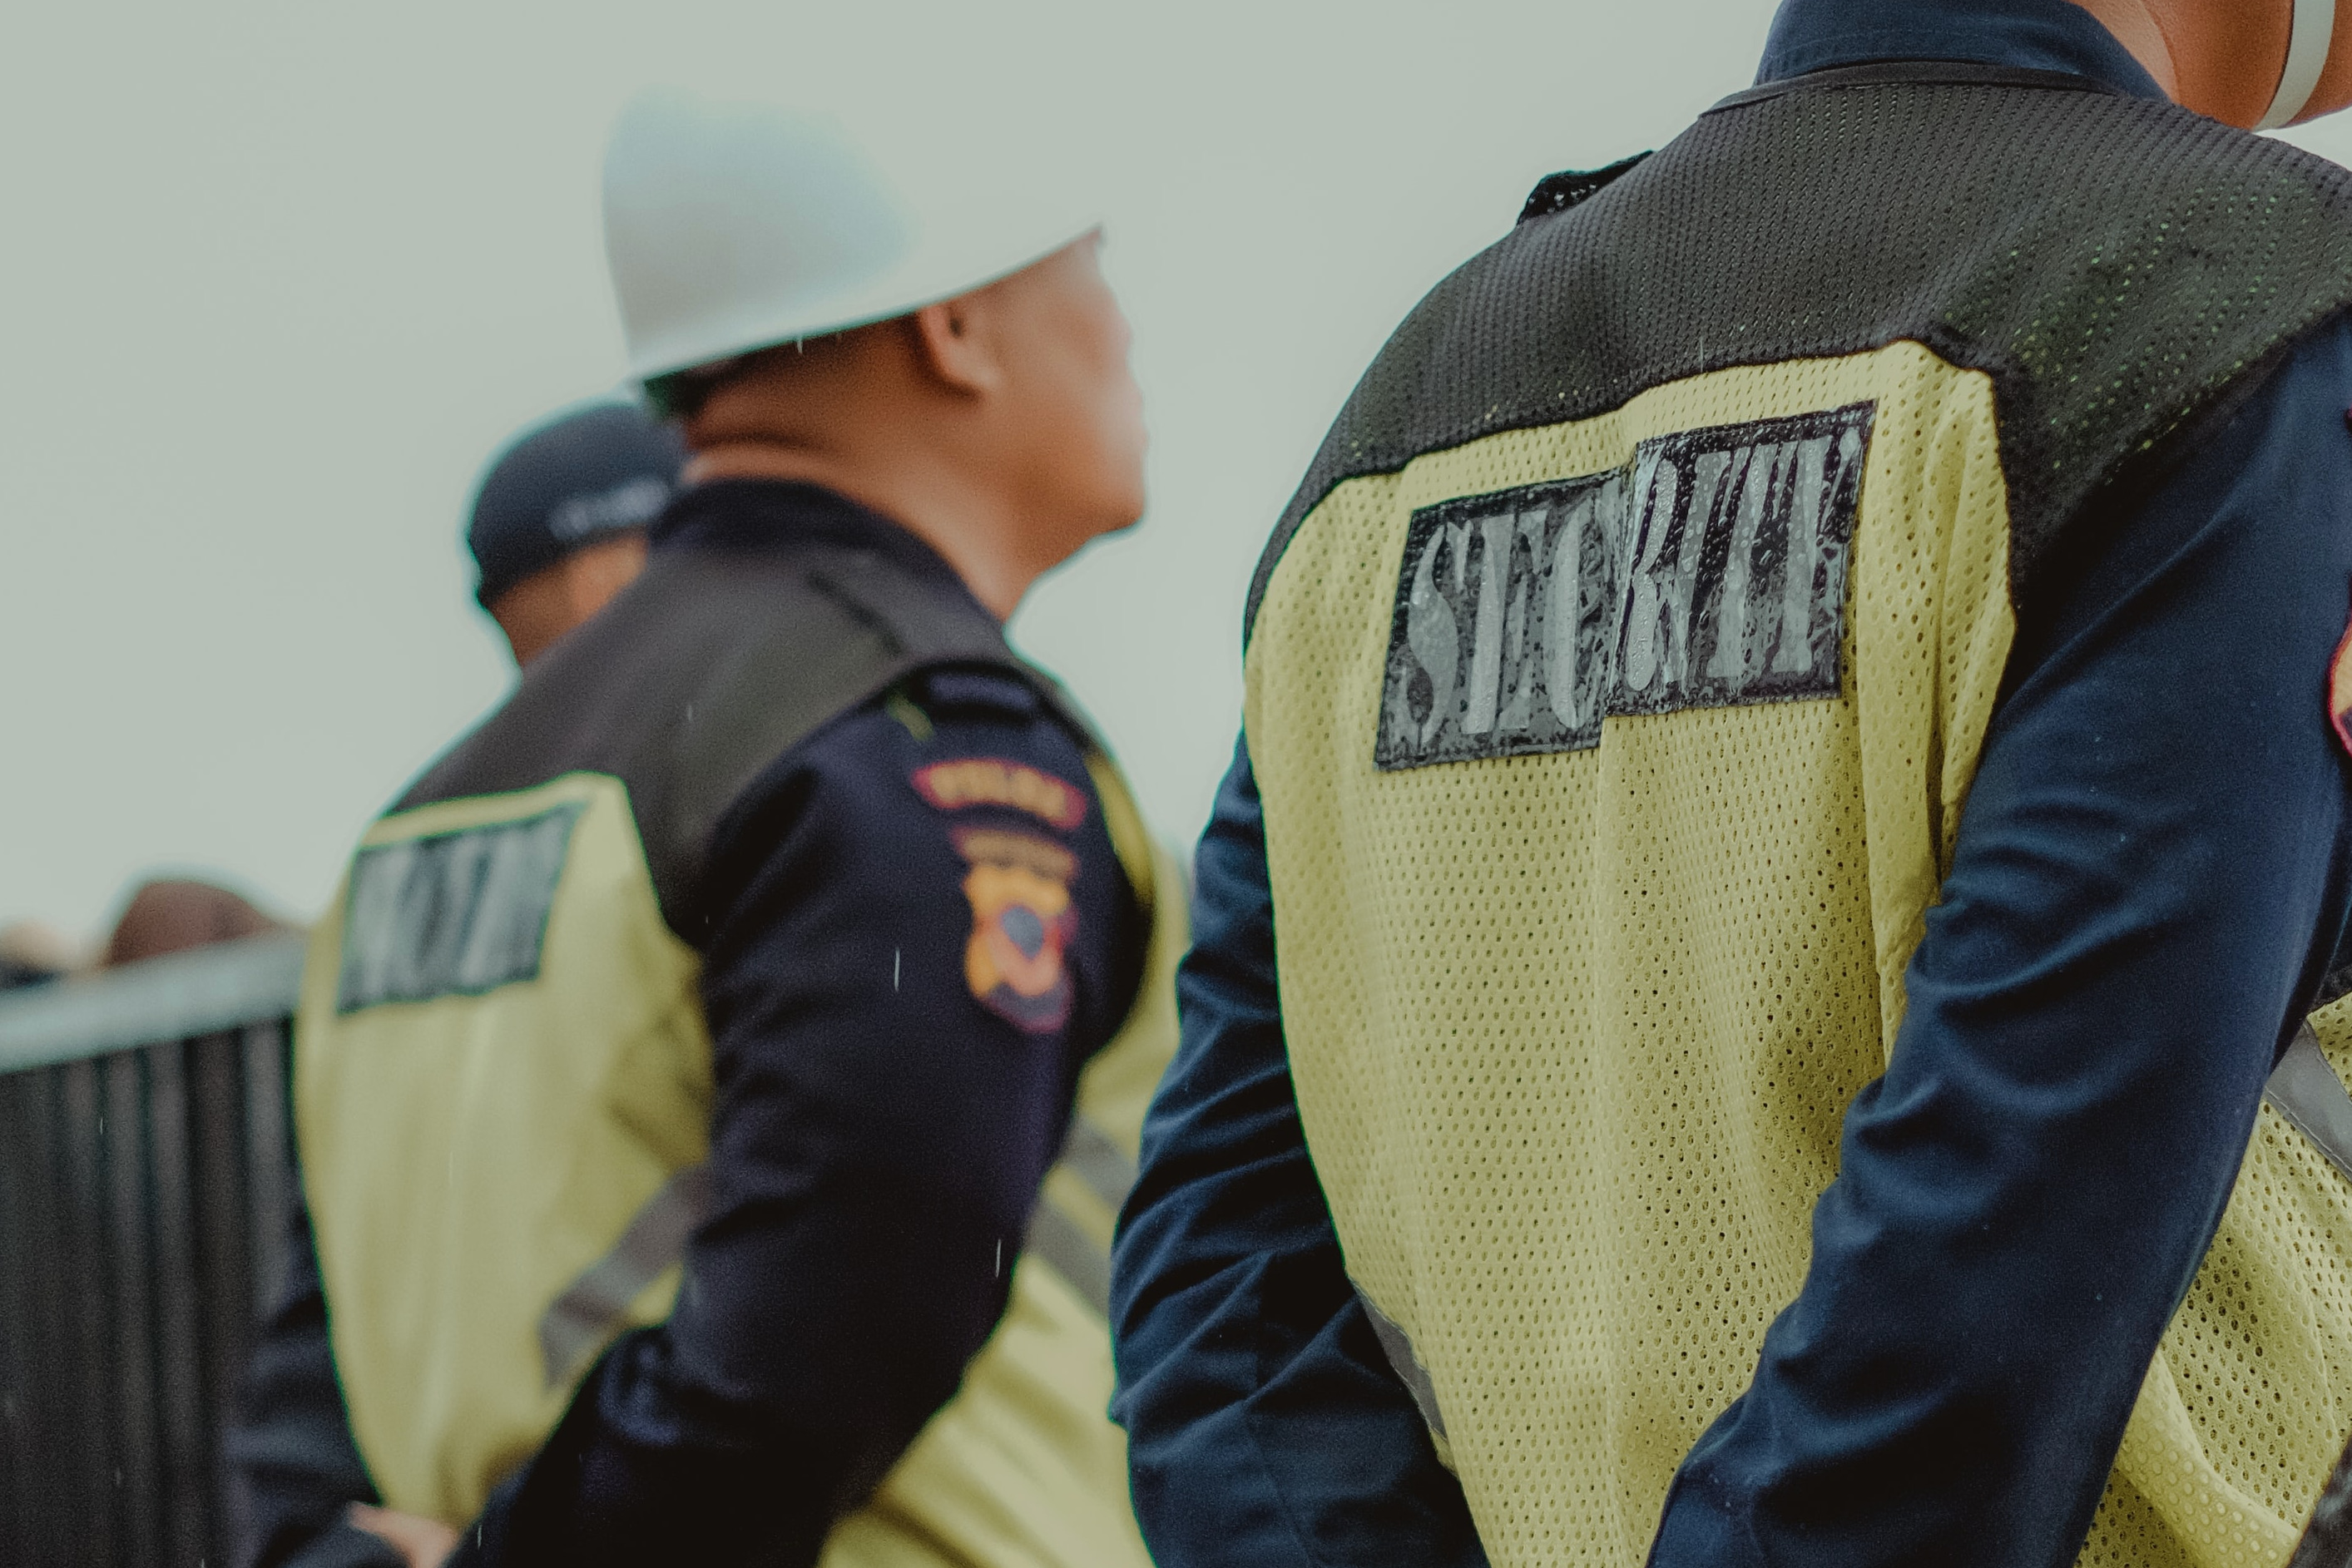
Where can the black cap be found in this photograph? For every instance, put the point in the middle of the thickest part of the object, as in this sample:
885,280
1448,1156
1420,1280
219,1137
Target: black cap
566,484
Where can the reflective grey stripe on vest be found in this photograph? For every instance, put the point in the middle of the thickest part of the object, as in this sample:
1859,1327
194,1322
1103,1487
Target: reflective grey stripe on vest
1056,1238
2306,1092
1407,1363
2328,1539
595,1306
1095,1160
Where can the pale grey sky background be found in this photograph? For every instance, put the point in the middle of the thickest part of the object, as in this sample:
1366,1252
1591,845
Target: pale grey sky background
277,278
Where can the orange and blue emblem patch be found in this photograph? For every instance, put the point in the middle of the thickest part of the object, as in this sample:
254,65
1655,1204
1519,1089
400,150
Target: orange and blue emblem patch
1016,961
1022,925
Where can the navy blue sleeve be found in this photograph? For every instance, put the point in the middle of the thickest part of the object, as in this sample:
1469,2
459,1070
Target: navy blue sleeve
888,1103
1264,1426
291,1459
2150,882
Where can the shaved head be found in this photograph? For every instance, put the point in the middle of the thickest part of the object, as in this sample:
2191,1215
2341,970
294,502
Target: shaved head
1003,426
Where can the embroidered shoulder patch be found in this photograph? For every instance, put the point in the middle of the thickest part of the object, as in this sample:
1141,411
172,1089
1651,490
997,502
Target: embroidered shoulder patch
2339,692
1022,925
1708,573
991,781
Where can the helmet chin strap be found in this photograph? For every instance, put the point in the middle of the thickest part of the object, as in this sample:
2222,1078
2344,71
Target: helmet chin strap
2306,57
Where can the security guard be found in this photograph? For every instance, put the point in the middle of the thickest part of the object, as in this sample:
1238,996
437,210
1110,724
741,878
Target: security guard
678,1070
559,520
1795,786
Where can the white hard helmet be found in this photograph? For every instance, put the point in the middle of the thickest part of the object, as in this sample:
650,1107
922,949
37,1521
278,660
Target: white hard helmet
734,227
2307,60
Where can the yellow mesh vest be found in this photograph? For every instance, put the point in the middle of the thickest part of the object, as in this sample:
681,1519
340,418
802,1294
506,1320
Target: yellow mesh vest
483,1165
1573,1034
436,1131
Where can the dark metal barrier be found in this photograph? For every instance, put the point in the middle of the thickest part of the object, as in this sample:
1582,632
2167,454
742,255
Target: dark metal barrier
145,1169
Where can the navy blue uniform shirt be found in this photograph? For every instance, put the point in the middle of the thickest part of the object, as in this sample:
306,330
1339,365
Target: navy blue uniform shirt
878,1137
2147,888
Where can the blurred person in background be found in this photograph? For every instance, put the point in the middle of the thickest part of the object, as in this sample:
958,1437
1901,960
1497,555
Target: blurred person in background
679,1073
32,953
558,527
1794,811
559,520
163,916
175,915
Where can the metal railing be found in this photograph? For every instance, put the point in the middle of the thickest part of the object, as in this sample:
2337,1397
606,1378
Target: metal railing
146,1166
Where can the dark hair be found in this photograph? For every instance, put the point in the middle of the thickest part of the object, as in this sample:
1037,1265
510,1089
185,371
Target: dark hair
682,395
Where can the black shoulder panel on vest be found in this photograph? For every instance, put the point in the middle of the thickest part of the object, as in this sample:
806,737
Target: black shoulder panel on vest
2115,264
705,670
1574,187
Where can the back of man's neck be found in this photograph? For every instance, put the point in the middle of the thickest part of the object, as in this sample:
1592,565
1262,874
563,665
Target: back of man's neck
928,506
2135,28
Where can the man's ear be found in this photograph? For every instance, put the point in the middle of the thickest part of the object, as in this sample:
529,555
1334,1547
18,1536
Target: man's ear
955,344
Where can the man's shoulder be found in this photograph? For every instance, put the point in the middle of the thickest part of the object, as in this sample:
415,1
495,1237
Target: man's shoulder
686,649
948,739
956,778
701,675
2114,265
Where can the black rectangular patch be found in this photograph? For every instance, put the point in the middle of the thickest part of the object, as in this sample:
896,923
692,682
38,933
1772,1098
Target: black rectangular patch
1505,614
453,915
1708,573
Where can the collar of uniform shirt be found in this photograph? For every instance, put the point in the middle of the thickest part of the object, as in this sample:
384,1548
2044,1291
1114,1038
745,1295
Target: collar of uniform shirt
750,514
2034,35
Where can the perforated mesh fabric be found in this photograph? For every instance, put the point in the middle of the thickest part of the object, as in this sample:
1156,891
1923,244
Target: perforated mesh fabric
2245,1409
2114,264
1573,1034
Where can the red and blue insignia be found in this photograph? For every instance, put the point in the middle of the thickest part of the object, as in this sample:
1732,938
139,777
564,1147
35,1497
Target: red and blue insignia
2339,692
1021,926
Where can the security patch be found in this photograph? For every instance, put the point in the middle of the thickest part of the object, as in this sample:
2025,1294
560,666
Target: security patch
991,781
453,915
1022,923
1708,573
